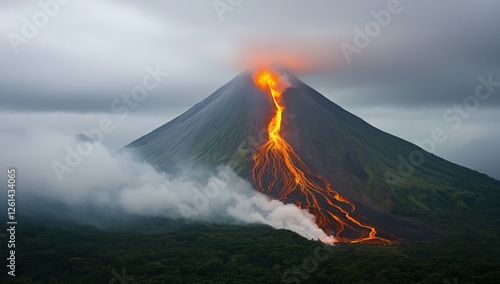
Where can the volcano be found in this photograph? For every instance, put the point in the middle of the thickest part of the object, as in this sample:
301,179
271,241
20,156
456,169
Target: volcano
297,146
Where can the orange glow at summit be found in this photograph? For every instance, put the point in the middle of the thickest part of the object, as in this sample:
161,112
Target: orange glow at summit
278,170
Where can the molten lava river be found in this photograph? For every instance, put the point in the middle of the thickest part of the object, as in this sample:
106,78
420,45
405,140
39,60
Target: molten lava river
280,172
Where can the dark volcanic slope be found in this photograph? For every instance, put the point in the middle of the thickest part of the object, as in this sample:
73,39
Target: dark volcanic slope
356,157
353,153
211,131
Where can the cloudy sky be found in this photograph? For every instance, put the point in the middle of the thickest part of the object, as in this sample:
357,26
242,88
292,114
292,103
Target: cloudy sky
405,68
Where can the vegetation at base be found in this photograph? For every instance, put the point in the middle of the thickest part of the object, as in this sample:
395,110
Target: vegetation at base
201,253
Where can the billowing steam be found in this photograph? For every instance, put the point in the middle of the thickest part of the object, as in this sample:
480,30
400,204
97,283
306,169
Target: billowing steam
58,167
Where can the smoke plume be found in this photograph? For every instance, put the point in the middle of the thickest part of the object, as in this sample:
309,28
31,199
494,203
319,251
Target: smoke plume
55,167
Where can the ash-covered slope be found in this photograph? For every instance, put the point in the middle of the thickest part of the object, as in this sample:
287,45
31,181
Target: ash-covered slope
211,131
362,162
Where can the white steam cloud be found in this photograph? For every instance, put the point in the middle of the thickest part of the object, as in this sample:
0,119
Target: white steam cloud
119,181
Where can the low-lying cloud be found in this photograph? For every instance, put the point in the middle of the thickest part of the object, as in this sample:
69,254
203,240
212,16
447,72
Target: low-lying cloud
120,182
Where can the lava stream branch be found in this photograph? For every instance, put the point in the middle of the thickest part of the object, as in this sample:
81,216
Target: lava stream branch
280,172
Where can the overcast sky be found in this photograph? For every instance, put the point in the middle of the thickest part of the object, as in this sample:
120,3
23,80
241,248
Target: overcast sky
64,71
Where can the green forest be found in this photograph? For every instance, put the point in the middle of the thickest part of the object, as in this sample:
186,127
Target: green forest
202,253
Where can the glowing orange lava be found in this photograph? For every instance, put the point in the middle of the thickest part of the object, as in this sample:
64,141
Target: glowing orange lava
280,172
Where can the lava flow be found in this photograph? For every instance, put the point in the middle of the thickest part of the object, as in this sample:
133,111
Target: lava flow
279,171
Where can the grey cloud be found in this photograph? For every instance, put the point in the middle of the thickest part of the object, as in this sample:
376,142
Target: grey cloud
453,38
